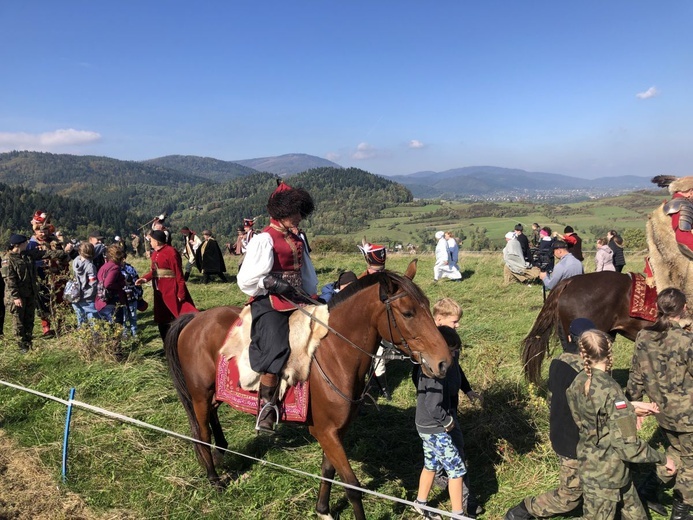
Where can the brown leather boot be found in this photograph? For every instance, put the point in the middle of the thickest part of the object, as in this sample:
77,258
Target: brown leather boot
267,404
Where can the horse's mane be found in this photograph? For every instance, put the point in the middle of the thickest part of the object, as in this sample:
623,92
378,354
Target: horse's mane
398,280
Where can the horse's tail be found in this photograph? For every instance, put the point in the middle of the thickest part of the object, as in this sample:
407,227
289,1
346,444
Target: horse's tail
174,366
536,343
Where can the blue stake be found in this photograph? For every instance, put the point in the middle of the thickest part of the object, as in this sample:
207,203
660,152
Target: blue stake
67,433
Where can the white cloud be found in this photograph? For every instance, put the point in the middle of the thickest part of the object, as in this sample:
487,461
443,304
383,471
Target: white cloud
364,151
649,93
47,141
333,156
415,144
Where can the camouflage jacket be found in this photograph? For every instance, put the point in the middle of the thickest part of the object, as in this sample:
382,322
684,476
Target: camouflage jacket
20,275
608,435
662,368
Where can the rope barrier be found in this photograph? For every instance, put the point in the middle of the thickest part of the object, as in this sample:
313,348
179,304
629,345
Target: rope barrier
71,402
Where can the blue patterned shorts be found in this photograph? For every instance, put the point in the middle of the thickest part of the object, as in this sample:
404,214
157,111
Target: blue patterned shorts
440,452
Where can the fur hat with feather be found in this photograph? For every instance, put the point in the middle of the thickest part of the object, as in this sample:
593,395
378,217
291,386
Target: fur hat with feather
675,184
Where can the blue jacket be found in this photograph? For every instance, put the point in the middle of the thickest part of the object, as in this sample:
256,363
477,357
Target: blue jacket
567,267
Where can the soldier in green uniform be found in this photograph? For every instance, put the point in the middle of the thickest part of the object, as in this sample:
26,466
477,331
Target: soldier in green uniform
608,441
21,288
662,368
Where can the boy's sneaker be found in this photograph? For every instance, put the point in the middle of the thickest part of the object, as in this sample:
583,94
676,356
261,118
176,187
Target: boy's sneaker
425,513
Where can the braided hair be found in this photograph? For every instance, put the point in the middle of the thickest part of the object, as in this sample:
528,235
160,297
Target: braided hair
595,346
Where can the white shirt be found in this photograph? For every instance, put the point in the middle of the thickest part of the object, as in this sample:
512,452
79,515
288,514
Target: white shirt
259,261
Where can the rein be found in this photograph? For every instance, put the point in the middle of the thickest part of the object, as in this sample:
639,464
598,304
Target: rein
392,324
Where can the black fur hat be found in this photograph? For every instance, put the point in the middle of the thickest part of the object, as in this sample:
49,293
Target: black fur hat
286,201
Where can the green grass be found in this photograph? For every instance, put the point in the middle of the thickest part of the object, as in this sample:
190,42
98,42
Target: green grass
126,472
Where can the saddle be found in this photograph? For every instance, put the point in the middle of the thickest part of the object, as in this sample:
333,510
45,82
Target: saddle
643,298
237,384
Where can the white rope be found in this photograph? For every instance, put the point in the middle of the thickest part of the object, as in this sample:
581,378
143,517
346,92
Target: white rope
142,424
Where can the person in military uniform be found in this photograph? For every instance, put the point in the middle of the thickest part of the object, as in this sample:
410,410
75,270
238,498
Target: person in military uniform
276,266
606,422
563,433
662,368
20,275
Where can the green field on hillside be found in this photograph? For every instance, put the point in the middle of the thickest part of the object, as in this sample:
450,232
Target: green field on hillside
121,471
417,222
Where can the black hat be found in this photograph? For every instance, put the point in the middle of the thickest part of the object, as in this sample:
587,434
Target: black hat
159,236
375,254
580,325
345,278
248,222
96,234
560,244
16,239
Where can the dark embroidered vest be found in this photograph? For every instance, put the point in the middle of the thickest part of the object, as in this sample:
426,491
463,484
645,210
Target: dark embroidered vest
288,259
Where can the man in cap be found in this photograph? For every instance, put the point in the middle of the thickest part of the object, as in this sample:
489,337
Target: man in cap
192,244
516,267
276,269
444,268
209,258
567,266
171,296
574,242
330,289
20,275
563,433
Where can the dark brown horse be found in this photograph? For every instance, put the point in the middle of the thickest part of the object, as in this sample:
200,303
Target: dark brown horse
383,305
602,297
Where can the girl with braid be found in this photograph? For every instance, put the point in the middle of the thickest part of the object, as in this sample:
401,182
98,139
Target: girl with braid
608,442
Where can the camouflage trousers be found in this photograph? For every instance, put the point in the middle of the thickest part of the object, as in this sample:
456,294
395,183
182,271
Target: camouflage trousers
599,505
680,449
23,321
563,499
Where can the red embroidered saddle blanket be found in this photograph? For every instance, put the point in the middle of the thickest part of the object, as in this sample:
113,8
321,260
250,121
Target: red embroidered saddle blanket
643,298
293,408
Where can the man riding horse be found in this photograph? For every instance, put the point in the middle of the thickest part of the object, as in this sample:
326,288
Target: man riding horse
276,265
670,236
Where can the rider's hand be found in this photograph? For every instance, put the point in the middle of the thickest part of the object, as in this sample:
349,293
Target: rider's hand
276,285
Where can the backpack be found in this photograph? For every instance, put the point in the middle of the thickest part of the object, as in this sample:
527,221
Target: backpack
72,292
102,293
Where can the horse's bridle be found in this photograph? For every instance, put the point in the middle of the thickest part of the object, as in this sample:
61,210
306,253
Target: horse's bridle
392,327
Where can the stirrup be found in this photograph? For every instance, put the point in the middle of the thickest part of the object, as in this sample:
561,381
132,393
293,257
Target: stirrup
261,417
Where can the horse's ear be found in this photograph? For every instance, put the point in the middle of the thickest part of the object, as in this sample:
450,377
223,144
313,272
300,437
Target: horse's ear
411,270
387,288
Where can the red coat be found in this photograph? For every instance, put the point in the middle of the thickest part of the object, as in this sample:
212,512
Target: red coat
171,296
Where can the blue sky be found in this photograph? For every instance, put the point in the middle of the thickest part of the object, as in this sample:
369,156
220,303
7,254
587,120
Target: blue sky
590,89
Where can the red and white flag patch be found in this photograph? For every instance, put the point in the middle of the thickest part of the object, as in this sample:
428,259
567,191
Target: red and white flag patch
620,405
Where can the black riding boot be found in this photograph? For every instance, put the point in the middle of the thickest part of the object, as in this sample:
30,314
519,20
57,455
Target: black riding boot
382,383
679,510
267,396
647,491
186,276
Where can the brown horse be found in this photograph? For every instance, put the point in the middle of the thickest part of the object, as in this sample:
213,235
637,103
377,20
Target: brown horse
602,297
378,306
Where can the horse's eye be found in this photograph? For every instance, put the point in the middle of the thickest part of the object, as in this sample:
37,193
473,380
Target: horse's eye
408,314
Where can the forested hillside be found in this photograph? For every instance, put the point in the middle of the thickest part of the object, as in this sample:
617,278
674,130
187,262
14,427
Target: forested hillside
207,167
74,217
119,196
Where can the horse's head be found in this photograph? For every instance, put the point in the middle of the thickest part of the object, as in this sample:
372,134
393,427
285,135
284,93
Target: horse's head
408,323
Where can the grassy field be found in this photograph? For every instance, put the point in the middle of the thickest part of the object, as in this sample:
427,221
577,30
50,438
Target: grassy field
417,224
121,471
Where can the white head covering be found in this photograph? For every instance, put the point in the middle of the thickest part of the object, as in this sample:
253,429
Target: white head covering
510,235
439,235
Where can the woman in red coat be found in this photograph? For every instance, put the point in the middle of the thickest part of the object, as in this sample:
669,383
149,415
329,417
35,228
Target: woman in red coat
171,296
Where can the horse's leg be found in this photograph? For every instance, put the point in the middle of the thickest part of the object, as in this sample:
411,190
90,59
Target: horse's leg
323,505
203,414
333,449
219,439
